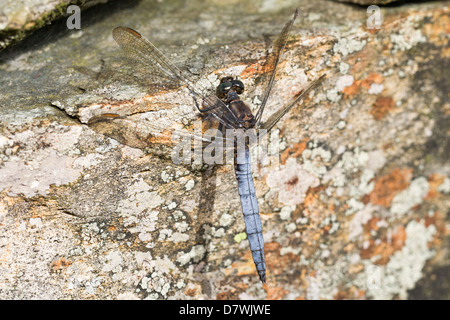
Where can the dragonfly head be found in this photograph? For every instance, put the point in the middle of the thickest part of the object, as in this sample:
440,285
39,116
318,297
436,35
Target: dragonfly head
228,85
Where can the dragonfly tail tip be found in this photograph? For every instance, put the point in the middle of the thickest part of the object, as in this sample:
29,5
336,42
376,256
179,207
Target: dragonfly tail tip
262,276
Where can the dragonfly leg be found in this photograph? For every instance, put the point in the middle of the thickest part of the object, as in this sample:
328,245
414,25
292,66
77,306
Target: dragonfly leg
197,104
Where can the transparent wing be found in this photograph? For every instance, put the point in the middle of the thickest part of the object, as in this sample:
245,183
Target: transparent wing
277,115
270,67
144,52
146,132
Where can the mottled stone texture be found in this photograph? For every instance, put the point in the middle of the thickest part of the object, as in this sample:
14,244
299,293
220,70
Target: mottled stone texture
370,2
353,195
19,19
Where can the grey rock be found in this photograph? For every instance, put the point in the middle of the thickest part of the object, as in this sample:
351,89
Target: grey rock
353,201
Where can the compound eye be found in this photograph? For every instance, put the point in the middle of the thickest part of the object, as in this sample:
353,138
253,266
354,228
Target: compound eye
226,79
238,86
224,87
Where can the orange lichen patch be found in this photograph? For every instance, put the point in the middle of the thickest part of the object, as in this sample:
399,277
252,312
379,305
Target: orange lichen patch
438,220
445,53
313,194
349,247
381,107
372,224
293,152
190,292
60,264
275,293
7,253
9,201
251,71
434,181
244,267
349,293
275,262
373,31
386,187
310,198
437,31
355,268
386,247
341,295
371,78
228,295
165,137
354,89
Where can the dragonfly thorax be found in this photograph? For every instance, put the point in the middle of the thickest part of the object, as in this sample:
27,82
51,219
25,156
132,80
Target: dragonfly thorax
243,113
229,90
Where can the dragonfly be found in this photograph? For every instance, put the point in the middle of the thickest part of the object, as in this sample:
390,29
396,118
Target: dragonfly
227,109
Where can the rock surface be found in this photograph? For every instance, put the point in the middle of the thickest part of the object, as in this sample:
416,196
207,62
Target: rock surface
370,2
18,19
354,197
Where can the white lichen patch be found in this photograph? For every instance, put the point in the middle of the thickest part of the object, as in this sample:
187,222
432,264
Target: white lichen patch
289,249
341,124
360,218
189,185
182,226
196,254
226,219
21,177
291,227
36,222
166,177
376,160
376,88
132,153
347,46
365,186
333,95
352,161
219,233
314,159
114,262
156,284
409,198
127,296
172,205
405,266
343,67
353,206
406,39
313,290
87,161
292,181
343,82
136,208
161,265
164,234
179,237
444,187
31,170
285,212
146,224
